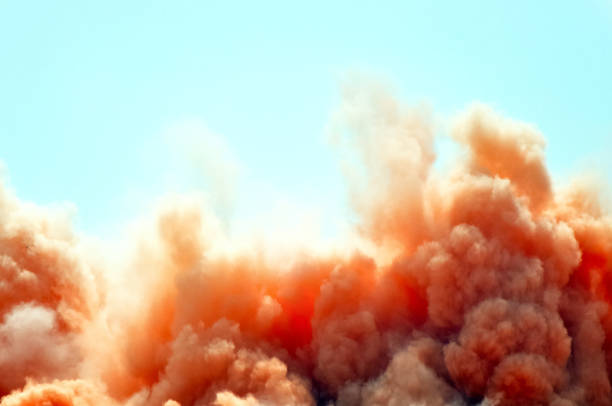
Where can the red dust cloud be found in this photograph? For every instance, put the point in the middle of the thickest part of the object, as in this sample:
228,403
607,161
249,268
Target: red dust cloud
480,284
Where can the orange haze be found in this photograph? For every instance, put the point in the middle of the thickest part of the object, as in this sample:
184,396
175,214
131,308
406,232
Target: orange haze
481,284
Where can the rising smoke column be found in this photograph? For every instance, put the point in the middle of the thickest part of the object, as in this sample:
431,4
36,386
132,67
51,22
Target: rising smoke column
480,285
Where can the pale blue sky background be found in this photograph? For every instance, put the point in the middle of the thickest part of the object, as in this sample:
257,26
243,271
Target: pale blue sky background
88,90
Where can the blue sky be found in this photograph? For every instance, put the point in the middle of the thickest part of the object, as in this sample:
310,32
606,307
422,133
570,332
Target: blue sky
89,91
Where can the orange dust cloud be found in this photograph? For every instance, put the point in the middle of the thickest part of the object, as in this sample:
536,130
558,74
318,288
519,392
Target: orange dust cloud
483,284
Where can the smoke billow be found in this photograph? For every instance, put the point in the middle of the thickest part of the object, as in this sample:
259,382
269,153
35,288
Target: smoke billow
483,284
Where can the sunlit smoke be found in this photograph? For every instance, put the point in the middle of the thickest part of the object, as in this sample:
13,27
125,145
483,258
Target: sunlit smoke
484,284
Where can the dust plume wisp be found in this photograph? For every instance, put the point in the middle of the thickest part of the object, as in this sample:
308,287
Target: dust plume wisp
483,284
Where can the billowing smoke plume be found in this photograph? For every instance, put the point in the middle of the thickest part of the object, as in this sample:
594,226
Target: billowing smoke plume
482,284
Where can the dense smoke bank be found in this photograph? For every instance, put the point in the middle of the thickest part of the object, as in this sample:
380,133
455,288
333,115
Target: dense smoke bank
479,285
